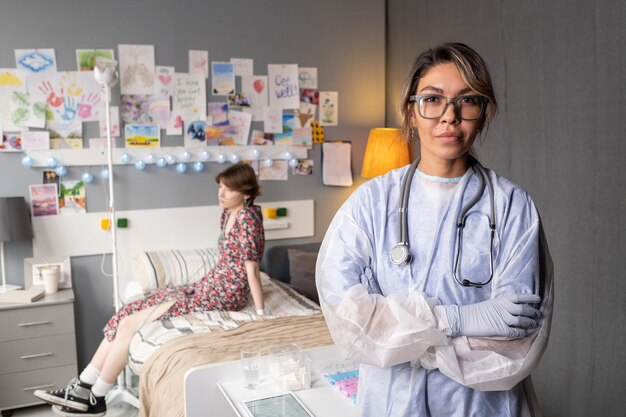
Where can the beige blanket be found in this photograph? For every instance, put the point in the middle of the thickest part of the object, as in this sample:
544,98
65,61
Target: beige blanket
161,381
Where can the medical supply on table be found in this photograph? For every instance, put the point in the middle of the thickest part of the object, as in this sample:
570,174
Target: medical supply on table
290,367
400,253
251,366
345,377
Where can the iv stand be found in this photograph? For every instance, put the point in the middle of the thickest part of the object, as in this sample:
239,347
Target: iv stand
107,77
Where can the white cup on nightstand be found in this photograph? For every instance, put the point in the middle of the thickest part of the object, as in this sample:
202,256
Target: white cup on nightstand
50,277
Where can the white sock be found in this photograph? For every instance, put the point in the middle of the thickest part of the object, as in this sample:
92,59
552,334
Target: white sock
89,375
101,387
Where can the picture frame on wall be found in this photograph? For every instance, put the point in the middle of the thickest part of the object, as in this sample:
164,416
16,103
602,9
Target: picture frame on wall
33,267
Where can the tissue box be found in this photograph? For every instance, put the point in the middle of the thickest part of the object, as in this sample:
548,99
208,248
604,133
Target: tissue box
290,367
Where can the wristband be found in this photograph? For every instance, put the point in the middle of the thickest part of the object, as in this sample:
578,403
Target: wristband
260,312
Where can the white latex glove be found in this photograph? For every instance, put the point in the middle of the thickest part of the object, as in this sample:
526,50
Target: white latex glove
509,316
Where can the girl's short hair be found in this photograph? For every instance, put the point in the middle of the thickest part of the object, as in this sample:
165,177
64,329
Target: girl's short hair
472,67
240,177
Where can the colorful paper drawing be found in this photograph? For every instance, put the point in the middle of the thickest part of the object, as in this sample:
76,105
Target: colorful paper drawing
44,199
69,95
222,78
258,137
99,143
285,138
195,134
114,119
146,109
273,119
175,125
12,79
65,135
220,135
277,172
27,110
304,167
243,66
142,136
302,136
284,92
307,77
219,113
305,114
255,88
238,101
329,108
309,96
86,58
241,121
136,69
35,140
11,142
164,82
36,61
199,63
189,99
72,198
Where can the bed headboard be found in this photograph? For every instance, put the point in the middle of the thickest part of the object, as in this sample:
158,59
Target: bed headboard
300,275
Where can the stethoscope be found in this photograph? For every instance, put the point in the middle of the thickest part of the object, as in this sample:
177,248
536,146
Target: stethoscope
400,254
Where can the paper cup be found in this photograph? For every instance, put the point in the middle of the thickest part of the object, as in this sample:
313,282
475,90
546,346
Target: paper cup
50,277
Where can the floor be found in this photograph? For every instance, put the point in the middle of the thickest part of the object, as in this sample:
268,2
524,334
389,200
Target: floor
46,411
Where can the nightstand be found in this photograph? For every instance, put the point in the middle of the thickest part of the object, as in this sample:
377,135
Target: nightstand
37,348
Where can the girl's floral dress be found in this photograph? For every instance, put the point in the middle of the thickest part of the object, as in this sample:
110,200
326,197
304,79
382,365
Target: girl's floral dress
224,288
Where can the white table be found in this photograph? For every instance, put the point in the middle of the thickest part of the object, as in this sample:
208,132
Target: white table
217,389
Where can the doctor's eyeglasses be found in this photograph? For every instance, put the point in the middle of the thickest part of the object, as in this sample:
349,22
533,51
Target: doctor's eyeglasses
433,106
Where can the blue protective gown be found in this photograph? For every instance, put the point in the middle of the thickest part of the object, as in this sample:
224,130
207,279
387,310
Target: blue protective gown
398,332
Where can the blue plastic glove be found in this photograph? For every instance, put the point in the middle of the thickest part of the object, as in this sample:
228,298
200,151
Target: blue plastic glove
509,316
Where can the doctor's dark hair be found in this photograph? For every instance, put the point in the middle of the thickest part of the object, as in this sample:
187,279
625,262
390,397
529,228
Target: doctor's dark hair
240,177
473,70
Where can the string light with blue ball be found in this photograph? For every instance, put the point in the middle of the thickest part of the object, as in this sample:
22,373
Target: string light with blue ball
256,154
293,162
198,166
186,156
170,159
205,155
140,165
268,163
181,167
28,162
161,162
87,177
61,170
234,158
52,162
104,174
126,159
221,158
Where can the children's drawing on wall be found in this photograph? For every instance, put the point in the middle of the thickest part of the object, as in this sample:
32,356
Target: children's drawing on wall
65,135
72,198
175,125
243,67
307,77
12,82
28,110
199,63
239,101
258,137
329,108
136,69
114,119
195,134
286,137
35,140
36,61
222,78
70,95
221,135
302,136
276,172
219,113
255,88
86,58
241,122
273,119
309,99
142,136
189,99
164,82
11,142
44,199
304,167
146,109
284,92
12,79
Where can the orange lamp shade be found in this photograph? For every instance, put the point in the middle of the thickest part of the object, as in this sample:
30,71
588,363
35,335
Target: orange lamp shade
386,150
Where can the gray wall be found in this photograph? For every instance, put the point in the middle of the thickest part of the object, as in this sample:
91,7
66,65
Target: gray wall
559,69
349,56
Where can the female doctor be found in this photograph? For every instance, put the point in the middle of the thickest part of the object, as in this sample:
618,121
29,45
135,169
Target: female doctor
437,277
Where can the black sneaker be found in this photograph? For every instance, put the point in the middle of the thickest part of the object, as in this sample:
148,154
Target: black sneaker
97,407
75,394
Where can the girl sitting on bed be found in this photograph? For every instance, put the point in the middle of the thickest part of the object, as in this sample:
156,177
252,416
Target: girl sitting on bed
240,244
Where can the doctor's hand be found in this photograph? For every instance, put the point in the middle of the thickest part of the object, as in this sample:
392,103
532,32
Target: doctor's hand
509,316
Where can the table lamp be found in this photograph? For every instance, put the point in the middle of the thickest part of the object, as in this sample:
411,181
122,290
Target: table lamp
386,150
14,225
